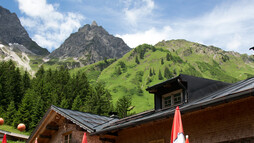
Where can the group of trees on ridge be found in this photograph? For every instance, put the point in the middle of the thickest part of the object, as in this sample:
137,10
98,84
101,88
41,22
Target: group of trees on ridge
25,100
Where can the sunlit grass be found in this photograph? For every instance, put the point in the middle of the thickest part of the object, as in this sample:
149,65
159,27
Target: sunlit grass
13,130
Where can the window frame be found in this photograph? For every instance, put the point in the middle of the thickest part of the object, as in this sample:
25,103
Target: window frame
69,137
172,98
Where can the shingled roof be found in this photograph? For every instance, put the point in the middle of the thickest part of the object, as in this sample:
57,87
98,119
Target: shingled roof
235,91
87,121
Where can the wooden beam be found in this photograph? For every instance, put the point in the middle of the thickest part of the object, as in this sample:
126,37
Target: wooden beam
115,134
108,140
45,136
52,127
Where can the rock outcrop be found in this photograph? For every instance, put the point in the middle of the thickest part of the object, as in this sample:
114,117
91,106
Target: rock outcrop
90,44
11,31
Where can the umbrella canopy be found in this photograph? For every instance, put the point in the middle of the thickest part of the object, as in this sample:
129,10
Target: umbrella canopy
187,139
4,139
84,138
177,135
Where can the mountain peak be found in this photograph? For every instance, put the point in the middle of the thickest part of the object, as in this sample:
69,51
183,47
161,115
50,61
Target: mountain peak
94,23
92,43
11,31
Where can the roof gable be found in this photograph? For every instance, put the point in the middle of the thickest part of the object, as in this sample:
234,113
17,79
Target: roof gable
195,87
87,121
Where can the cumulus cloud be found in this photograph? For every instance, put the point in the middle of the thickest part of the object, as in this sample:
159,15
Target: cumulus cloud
229,26
137,10
50,27
151,36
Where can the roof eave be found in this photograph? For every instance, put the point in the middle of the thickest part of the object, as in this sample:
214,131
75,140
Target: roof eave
162,83
90,130
186,109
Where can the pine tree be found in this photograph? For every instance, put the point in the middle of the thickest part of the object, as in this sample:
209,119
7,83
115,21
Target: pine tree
26,81
17,90
64,104
2,115
100,101
150,72
160,75
24,112
1,97
40,72
122,106
54,99
118,70
137,61
162,62
106,60
37,112
10,113
167,73
153,49
168,57
5,91
77,104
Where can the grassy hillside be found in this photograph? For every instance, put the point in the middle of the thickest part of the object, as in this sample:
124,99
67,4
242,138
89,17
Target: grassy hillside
147,65
234,64
140,68
13,130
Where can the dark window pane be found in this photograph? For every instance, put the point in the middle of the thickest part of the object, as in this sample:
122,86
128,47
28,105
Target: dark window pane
177,98
167,101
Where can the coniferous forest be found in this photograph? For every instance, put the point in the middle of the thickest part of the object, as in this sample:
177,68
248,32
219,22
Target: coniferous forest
25,99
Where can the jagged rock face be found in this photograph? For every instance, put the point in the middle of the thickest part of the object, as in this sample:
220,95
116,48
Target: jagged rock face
91,43
11,31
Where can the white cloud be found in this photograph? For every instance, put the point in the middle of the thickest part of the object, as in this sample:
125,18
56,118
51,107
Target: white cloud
235,43
229,26
151,36
50,27
137,10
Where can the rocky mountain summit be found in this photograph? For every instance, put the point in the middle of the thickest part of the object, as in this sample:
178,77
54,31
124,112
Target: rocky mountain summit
11,31
90,44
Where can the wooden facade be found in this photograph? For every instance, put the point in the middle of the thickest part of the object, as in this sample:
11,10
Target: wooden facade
229,122
212,112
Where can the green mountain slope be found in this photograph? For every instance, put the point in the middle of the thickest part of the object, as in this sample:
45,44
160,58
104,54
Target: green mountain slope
140,68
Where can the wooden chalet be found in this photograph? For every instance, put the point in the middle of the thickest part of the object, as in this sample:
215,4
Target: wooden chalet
212,112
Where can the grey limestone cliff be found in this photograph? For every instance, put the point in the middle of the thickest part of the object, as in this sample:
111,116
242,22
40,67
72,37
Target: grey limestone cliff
11,31
91,43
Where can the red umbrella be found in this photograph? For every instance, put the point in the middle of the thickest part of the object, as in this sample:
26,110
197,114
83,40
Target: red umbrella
84,138
187,139
4,139
177,128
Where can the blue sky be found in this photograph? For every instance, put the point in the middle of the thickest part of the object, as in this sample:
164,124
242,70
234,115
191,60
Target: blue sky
228,24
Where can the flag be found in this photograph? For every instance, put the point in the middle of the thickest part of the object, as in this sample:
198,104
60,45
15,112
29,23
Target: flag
4,139
84,138
187,139
177,128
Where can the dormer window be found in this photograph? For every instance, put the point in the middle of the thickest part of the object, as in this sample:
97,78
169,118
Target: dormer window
172,98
